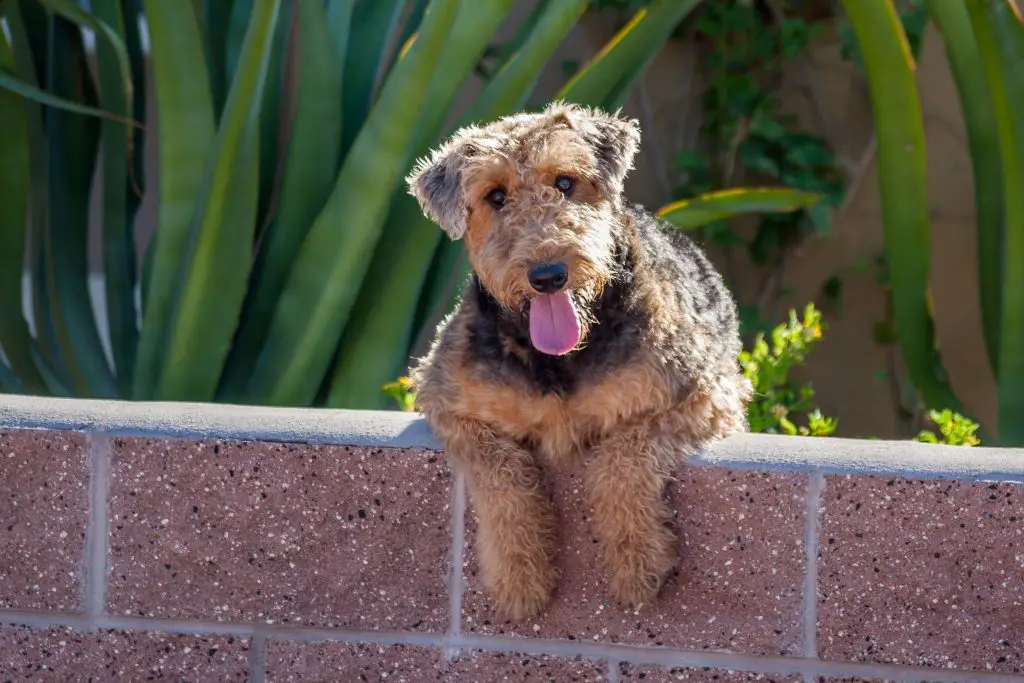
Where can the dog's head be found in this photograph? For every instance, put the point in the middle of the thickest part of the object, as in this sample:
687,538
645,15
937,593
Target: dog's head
537,198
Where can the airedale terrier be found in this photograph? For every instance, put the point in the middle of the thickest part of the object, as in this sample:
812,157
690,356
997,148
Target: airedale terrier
587,332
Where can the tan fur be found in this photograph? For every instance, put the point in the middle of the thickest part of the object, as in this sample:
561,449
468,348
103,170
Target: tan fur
631,426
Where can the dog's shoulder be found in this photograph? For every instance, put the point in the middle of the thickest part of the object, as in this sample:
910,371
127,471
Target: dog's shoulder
687,281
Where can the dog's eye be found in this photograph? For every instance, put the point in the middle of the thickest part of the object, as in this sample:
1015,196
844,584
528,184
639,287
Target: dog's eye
565,184
496,198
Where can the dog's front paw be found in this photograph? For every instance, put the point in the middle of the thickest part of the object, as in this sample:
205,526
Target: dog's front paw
638,571
522,589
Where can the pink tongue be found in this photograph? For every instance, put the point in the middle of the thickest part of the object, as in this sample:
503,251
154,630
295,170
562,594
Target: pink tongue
554,325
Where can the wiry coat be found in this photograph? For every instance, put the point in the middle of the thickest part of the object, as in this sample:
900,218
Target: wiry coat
654,376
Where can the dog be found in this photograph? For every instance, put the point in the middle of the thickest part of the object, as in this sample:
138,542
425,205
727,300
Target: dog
589,332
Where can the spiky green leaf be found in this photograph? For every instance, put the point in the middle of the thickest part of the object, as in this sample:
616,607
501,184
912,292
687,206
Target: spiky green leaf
367,51
186,134
15,338
325,279
962,50
73,144
311,165
715,206
118,237
902,176
1000,33
607,77
216,269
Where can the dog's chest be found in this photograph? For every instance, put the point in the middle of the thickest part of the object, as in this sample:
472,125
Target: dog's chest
564,427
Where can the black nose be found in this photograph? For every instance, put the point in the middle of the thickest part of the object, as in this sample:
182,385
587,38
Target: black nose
548,278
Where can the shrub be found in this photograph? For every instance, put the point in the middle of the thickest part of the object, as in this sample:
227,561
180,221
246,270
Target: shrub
777,401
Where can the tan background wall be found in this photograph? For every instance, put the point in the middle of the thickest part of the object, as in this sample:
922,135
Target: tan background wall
844,367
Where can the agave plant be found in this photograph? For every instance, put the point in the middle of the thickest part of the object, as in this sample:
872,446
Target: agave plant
985,45
288,266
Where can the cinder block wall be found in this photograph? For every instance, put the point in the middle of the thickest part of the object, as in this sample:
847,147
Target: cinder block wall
202,543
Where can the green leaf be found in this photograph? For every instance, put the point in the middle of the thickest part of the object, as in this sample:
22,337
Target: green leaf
72,145
754,154
35,22
118,238
526,28
692,213
216,25
112,42
15,337
311,164
720,233
510,88
28,24
962,50
820,216
769,129
14,85
238,23
364,61
902,177
339,23
9,382
326,277
691,161
213,282
136,180
1000,38
377,334
186,134
884,334
613,70
412,24
270,119
809,153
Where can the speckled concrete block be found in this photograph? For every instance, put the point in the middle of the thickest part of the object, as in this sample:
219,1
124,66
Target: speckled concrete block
61,655
329,662
509,667
650,674
240,531
739,584
926,573
855,679
251,533
44,485
295,662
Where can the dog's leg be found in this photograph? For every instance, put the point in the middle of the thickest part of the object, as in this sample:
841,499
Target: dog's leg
517,522
625,483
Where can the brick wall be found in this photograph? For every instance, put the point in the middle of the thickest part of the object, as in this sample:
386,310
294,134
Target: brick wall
201,543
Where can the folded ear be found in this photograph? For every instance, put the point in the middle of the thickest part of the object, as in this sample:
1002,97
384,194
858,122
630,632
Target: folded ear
436,182
614,138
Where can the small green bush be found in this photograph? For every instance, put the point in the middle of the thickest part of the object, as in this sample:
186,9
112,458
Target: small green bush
954,429
777,402
401,390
